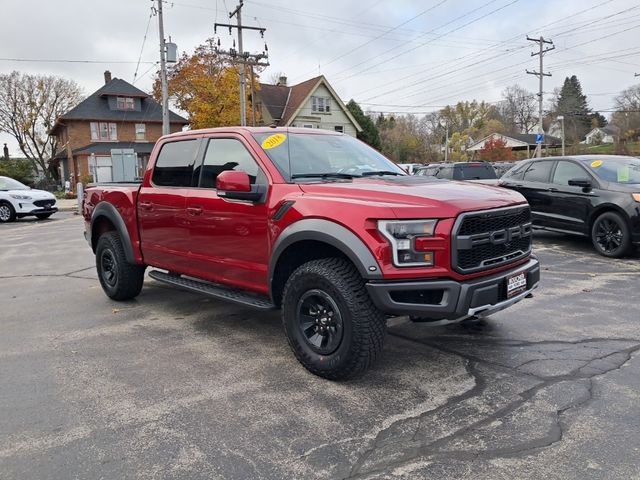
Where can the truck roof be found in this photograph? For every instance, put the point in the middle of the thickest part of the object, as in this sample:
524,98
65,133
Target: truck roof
251,130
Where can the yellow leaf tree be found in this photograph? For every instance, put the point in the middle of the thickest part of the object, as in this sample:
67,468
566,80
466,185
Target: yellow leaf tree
207,87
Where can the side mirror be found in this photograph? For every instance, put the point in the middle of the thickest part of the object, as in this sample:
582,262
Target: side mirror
580,182
236,185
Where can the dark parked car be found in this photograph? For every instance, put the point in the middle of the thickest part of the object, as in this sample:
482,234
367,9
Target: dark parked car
502,167
597,196
479,172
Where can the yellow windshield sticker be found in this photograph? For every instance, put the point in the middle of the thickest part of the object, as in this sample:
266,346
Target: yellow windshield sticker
272,141
596,163
623,174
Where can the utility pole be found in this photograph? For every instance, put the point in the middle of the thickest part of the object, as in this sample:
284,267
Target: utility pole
541,42
163,74
244,58
446,143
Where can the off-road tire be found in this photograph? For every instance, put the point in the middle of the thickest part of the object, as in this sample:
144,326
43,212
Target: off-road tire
363,325
8,213
43,216
120,279
624,235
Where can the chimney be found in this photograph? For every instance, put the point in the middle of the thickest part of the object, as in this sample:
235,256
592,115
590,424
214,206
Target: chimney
282,81
107,76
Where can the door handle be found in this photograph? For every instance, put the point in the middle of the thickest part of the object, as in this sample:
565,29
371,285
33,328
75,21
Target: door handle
519,185
552,189
194,210
146,205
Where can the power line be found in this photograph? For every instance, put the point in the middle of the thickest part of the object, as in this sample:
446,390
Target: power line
144,40
52,60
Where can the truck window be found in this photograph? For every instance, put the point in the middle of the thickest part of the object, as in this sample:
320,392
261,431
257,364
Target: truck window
174,166
226,154
474,171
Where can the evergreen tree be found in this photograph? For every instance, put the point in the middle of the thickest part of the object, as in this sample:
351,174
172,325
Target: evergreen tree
369,133
572,103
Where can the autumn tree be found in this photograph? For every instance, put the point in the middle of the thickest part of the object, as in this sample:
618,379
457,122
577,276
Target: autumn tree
206,86
627,114
369,133
518,109
29,107
495,149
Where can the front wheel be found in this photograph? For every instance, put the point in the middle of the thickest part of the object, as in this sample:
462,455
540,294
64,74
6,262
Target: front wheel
610,235
332,326
7,213
120,279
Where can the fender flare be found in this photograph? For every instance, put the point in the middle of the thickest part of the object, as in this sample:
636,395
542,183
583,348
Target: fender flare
333,234
110,212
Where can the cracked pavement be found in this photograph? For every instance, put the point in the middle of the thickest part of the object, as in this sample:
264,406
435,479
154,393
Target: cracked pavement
174,385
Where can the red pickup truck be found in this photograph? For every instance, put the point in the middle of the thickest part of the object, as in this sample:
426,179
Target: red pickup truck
317,224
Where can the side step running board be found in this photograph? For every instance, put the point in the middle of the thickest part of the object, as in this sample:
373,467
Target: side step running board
214,290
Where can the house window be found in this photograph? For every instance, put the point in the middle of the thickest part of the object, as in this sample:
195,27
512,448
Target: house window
125,103
104,132
307,125
339,128
320,104
140,131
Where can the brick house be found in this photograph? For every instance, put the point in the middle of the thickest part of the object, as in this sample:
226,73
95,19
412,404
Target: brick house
110,134
311,104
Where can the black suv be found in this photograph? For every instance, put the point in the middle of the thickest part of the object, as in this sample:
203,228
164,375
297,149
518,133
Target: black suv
480,172
597,196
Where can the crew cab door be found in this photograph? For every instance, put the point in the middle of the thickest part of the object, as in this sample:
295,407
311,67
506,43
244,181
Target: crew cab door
229,238
162,218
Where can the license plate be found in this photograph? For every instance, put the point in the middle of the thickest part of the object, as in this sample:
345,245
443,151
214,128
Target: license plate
516,284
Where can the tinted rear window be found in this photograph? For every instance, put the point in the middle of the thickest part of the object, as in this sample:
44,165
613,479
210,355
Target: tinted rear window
174,166
474,171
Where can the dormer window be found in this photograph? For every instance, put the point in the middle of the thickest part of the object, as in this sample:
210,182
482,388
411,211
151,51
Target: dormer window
125,103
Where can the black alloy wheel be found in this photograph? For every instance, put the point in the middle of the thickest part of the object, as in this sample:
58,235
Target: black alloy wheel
109,268
320,321
610,235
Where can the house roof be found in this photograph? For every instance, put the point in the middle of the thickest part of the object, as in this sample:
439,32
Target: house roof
607,130
106,147
523,139
96,107
284,103
274,98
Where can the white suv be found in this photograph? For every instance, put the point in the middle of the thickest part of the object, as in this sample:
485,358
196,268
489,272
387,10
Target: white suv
18,200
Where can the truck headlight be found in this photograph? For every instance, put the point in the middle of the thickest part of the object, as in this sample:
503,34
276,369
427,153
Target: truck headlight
19,197
402,235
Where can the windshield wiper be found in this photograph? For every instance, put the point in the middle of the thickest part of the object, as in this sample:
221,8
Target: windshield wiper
380,172
323,175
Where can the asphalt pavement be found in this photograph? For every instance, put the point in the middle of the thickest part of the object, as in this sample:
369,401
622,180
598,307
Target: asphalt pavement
175,385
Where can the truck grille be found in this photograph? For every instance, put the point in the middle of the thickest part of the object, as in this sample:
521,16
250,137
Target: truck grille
491,238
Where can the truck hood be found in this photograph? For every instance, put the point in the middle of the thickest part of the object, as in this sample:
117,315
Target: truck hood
412,196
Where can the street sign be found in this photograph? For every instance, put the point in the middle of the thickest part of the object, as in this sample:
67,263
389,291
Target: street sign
539,138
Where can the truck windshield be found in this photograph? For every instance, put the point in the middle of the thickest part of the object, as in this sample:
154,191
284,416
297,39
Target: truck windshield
322,157
474,171
618,170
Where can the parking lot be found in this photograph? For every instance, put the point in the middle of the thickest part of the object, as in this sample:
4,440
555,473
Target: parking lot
175,385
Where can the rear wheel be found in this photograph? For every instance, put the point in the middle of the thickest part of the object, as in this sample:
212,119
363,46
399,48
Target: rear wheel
610,235
120,279
332,326
7,213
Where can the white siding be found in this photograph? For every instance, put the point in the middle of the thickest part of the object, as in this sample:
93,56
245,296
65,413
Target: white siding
327,121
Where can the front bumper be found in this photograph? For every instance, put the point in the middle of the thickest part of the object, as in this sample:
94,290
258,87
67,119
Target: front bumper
449,300
36,211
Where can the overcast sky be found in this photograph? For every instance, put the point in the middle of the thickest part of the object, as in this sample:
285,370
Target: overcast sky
392,56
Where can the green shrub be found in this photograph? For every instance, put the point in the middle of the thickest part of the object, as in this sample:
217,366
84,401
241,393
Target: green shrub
20,170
